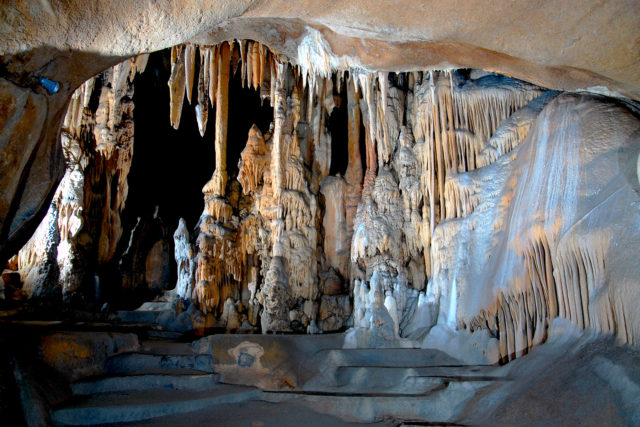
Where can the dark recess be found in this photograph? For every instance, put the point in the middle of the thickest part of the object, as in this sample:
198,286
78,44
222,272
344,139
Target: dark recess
338,125
169,166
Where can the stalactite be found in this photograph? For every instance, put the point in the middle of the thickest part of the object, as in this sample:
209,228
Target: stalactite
244,59
366,89
214,53
217,184
558,283
189,69
280,106
176,85
202,108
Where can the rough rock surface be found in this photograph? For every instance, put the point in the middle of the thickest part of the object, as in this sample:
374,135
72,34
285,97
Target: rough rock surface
79,355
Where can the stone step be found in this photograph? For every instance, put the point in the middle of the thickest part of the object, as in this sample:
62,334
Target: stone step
396,380
136,316
136,406
161,334
441,406
146,313
140,363
145,382
166,347
390,357
155,306
345,374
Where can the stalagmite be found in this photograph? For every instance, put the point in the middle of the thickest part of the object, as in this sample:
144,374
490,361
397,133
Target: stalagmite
184,255
253,161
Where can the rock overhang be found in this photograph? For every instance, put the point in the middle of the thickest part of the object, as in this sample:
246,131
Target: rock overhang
560,46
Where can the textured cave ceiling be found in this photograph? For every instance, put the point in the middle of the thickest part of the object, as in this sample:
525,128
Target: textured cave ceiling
554,44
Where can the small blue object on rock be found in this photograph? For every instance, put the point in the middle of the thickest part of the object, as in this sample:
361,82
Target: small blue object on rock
50,85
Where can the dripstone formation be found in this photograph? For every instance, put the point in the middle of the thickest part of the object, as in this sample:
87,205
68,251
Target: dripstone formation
453,219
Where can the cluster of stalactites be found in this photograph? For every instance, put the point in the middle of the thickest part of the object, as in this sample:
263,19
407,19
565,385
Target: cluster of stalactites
456,121
558,283
422,130
257,64
119,79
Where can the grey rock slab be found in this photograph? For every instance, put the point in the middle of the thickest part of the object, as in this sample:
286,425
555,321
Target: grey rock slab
145,382
138,363
133,406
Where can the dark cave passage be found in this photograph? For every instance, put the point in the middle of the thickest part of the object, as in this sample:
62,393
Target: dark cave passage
170,166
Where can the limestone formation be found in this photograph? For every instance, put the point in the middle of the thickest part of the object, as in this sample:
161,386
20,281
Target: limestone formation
450,223
426,133
82,227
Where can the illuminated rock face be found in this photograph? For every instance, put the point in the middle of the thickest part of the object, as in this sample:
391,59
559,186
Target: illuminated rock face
462,217
82,227
481,205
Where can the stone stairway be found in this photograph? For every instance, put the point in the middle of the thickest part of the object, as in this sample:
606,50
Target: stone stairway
368,385
163,378
146,313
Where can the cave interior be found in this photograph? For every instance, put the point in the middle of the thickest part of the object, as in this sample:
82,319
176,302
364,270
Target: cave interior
266,221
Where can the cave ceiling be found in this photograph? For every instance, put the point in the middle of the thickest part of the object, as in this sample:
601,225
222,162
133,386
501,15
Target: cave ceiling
553,44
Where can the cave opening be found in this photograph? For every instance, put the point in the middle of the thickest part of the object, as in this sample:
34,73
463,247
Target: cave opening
169,166
246,108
